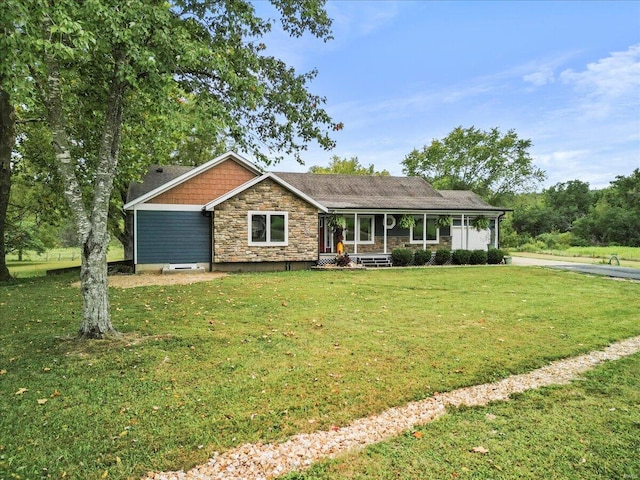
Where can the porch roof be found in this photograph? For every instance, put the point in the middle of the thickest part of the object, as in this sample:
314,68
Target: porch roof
382,192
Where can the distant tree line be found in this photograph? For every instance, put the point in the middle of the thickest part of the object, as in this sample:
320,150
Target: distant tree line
573,214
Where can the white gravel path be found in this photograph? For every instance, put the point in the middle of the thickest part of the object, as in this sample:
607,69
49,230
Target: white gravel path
268,461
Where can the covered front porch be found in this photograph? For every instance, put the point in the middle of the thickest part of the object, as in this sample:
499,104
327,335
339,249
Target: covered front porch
375,234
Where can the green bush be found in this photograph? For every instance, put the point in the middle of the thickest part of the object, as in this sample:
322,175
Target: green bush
461,257
478,257
401,257
443,255
420,257
495,256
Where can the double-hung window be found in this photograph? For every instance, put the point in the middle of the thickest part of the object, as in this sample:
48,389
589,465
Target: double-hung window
363,232
420,234
268,228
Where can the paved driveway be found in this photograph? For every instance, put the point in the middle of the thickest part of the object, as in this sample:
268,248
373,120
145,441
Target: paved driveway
591,269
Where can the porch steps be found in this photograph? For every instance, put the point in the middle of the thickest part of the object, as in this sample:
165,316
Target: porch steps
375,262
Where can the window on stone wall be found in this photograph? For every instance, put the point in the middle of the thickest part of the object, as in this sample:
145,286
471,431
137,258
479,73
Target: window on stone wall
268,228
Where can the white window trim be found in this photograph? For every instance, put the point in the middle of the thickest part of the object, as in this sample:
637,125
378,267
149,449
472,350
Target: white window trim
268,243
422,241
356,228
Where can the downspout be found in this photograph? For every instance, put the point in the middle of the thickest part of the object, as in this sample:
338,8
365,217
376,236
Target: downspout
211,242
498,236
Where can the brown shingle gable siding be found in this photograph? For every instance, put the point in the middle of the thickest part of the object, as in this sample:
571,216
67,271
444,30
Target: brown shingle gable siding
207,186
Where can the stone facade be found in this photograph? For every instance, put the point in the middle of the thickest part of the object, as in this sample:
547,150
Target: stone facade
398,242
207,186
231,226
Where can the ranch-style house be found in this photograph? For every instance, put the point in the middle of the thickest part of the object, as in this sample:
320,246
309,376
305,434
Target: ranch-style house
229,215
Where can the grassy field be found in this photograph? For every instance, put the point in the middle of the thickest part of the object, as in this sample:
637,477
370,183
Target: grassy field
259,357
35,265
589,429
628,256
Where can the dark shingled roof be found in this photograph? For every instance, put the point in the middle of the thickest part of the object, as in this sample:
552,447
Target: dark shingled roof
384,192
155,177
345,191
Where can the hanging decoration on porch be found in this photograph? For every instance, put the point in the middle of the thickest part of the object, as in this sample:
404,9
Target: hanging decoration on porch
337,223
480,223
444,221
407,221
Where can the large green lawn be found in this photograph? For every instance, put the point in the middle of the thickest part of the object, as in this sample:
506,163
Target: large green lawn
259,357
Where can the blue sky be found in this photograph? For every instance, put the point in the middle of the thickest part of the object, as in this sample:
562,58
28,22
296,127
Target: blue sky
399,74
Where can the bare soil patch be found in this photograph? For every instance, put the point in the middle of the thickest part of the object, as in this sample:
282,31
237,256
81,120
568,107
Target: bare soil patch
152,279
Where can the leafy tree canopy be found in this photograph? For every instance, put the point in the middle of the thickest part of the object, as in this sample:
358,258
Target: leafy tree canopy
493,165
87,63
350,166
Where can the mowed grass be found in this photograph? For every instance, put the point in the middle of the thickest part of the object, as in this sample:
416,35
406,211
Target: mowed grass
588,429
36,264
627,256
259,357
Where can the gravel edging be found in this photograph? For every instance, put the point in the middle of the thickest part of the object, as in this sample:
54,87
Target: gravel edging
268,461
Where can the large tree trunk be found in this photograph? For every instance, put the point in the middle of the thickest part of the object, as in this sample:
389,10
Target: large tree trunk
96,315
92,228
7,141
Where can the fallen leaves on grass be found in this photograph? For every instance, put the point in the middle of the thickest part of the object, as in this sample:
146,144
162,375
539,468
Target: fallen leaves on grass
479,449
21,391
42,401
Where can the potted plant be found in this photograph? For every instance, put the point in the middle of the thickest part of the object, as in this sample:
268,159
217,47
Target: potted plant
407,221
444,221
337,222
480,223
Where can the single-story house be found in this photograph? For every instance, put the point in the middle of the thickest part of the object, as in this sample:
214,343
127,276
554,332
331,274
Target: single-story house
229,215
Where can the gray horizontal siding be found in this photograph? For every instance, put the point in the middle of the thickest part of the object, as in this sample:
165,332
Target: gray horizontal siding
172,237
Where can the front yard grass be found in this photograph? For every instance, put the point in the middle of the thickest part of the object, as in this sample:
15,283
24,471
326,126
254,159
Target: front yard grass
588,429
259,357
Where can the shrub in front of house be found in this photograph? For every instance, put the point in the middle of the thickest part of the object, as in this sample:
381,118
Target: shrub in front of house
401,257
420,257
443,255
478,257
461,257
495,256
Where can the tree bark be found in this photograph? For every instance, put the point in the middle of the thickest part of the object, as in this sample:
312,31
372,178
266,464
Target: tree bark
91,225
7,142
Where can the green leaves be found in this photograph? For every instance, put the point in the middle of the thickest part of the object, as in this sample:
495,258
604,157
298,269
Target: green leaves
492,164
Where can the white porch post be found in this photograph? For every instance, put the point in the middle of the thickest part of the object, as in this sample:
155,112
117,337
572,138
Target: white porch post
496,230
384,229
356,233
461,230
424,231
466,246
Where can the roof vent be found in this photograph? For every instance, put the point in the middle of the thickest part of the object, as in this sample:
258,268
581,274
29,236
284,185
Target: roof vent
159,170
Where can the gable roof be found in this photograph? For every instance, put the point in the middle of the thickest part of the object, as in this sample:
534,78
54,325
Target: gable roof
211,205
156,182
382,192
156,176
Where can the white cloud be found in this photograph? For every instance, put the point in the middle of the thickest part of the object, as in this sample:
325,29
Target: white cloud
611,83
541,77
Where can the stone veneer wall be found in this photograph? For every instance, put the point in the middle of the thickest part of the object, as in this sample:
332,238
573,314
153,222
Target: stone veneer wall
398,242
231,223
